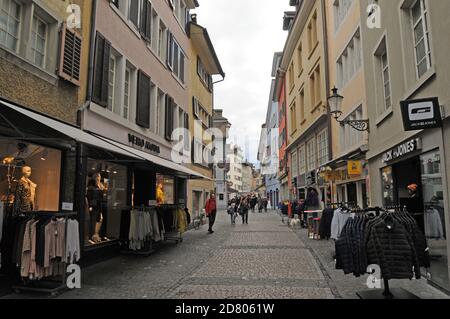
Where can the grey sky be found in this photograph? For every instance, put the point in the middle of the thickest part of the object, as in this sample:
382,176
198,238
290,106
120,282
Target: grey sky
245,34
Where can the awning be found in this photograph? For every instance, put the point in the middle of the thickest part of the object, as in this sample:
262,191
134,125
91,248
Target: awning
155,159
80,136
71,132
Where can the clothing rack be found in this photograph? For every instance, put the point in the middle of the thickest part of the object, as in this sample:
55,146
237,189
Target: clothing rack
52,287
387,293
174,236
149,249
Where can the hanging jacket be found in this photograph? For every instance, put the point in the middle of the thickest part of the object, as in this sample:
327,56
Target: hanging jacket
391,247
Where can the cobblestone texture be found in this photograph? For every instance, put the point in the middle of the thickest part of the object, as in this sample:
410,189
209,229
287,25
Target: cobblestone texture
264,259
250,292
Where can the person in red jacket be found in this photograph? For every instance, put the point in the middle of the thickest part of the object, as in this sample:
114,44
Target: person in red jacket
211,211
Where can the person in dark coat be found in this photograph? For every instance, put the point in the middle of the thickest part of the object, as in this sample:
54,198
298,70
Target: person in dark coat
414,205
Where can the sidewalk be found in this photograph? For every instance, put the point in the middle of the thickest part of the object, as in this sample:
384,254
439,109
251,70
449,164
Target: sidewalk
346,286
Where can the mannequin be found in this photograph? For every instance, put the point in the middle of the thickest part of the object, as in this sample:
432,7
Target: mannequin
25,195
96,193
160,194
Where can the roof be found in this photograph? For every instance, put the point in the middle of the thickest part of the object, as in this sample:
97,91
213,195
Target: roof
205,49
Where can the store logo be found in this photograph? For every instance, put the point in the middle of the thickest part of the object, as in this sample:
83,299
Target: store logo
374,280
74,19
74,279
421,111
374,19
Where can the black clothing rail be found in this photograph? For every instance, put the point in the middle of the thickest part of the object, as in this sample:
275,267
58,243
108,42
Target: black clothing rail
52,287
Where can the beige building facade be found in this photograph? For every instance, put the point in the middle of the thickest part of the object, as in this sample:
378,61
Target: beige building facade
405,60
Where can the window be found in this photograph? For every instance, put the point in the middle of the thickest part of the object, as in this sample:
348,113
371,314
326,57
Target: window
111,82
291,76
300,59
162,40
312,33
302,106
317,86
294,165
302,160
312,90
38,41
350,61
348,136
176,59
386,80
10,13
203,74
311,154
341,8
419,16
198,151
322,147
127,93
293,117
160,113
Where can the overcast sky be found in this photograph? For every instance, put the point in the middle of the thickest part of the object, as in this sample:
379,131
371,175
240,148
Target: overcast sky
245,34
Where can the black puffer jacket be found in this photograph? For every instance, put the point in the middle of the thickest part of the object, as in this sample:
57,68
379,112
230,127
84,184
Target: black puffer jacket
325,223
391,247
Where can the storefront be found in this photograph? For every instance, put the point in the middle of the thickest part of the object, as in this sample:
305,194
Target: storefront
412,175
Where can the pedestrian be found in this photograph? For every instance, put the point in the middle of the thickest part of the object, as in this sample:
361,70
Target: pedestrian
232,213
253,202
211,211
260,204
414,205
243,210
265,202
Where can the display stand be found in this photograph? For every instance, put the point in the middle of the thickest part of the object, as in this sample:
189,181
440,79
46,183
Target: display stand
50,286
387,293
173,236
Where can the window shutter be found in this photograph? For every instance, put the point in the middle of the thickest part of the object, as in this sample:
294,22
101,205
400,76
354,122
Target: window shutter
70,57
169,50
134,12
146,20
143,101
186,126
169,118
101,71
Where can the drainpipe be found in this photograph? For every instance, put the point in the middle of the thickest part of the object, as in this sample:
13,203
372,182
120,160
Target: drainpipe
91,65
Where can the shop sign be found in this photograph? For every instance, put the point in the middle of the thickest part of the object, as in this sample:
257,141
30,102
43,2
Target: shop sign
67,207
421,114
402,150
140,142
354,168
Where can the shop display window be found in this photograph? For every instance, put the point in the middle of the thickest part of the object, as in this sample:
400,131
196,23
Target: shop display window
434,216
387,183
165,190
30,177
106,197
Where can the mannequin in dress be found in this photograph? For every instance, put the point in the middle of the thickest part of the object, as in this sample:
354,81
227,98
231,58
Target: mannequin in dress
25,195
160,194
95,194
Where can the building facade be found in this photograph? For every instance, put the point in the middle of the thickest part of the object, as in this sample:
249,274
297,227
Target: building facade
347,74
305,64
398,158
222,166
236,159
203,64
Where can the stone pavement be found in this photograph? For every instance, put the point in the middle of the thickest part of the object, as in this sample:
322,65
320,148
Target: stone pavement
264,259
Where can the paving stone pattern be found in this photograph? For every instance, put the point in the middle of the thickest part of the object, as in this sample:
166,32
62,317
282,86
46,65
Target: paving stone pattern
265,259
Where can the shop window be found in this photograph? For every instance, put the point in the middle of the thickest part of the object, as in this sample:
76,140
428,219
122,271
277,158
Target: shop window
165,190
30,177
387,183
106,196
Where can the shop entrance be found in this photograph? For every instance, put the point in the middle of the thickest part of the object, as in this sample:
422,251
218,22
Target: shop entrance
427,206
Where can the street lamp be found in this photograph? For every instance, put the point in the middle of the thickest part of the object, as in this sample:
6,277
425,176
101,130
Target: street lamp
335,104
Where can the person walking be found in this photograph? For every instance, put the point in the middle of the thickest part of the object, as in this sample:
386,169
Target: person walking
243,210
232,213
211,211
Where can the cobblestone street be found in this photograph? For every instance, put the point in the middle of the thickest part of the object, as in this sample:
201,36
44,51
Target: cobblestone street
264,259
